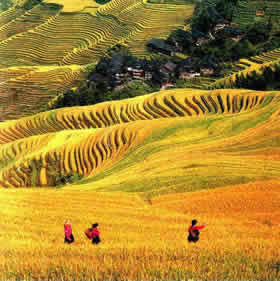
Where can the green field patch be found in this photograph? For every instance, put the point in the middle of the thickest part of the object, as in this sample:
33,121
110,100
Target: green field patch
147,148
162,185
215,128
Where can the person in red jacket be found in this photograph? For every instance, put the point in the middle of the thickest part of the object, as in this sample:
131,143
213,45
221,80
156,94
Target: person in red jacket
93,234
194,231
69,238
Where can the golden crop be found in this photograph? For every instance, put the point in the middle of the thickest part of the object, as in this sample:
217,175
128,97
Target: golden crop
164,104
238,127
140,241
141,161
26,89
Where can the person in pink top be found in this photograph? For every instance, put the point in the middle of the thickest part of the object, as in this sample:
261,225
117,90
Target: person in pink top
69,238
93,234
194,231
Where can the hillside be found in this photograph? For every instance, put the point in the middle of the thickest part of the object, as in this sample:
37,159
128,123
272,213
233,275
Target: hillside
249,11
45,46
117,141
247,66
143,168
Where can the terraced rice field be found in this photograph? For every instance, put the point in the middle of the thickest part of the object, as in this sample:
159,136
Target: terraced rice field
246,12
67,36
150,165
94,141
247,66
81,37
26,90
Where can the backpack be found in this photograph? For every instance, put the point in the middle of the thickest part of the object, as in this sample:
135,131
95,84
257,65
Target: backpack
88,233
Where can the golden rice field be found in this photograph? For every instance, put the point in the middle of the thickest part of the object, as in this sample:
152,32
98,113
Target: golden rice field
141,241
79,32
114,137
27,90
246,67
150,165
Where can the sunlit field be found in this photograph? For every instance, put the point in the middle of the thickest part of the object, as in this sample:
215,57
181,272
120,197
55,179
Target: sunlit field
141,240
142,168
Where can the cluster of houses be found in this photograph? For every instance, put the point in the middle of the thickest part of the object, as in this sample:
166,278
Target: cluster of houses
121,69
164,73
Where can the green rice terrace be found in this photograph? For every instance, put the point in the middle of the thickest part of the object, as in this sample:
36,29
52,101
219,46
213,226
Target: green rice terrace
245,67
249,11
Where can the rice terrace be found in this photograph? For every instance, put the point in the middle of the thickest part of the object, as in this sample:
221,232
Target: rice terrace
139,140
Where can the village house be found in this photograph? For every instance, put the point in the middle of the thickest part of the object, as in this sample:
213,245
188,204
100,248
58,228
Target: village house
220,26
237,38
170,66
207,71
159,46
201,41
167,85
167,71
187,68
260,13
189,75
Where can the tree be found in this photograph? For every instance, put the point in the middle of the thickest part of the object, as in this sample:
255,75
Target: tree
180,38
5,5
258,32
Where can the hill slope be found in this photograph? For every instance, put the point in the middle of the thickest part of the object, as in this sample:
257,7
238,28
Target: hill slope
163,137
245,67
55,38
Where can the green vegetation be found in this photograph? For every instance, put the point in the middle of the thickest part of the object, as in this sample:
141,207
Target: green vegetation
61,180
174,2
102,83
102,2
248,12
29,4
215,42
5,5
207,16
230,43
89,94
268,79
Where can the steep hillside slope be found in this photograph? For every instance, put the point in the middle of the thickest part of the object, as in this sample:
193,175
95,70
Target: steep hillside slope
61,38
247,66
247,11
176,141
49,34
26,90
163,104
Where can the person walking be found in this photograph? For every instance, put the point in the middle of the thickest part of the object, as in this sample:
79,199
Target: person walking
69,238
194,231
93,234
